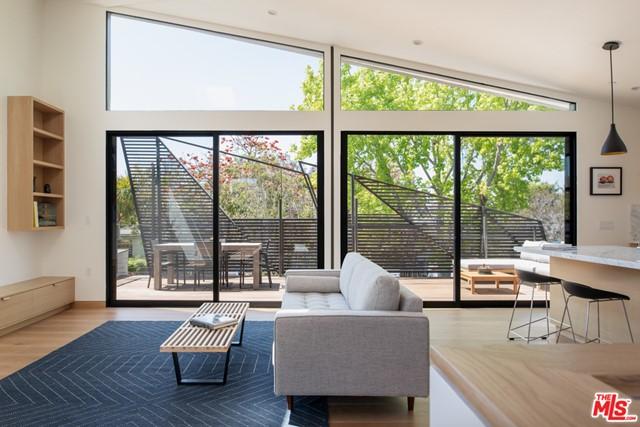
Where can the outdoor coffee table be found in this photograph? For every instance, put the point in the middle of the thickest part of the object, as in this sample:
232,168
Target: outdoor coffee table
193,339
497,277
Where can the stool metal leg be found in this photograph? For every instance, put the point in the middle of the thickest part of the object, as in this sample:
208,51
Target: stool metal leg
586,334
564,313
598,308
626,316
513,312
533,289
546,305
568,314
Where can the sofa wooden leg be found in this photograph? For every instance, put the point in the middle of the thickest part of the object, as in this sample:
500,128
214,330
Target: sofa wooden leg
410,402
290,403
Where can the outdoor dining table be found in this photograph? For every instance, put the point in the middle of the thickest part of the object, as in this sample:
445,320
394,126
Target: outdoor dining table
245,249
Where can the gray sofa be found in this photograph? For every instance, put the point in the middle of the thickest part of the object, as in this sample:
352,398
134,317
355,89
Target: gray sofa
350,332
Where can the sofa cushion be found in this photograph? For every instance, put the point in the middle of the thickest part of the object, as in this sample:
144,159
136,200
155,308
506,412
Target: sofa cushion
328,284
346,271
372,288
313,301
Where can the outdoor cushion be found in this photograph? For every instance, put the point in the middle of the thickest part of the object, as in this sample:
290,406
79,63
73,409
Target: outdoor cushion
515,263
327,284
540,244
313,301
535,257
495,263
372,288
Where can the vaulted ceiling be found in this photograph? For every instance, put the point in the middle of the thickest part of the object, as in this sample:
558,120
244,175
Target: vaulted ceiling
554,44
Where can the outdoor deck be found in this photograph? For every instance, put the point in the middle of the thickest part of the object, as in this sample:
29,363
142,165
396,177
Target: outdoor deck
135,288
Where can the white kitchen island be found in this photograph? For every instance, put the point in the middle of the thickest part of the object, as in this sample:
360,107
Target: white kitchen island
613,268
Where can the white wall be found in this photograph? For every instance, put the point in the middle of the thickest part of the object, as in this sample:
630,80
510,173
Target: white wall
20,64
74,78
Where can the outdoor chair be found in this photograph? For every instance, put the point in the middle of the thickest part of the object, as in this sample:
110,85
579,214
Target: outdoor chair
163,266
225,274
202,263
265,261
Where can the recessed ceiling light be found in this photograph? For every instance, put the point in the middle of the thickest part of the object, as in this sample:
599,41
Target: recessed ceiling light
272,12
417,42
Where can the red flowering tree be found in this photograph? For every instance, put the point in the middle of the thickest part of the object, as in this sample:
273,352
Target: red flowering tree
251,186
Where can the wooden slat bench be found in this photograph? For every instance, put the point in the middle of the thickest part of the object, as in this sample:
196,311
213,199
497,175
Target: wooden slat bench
193,339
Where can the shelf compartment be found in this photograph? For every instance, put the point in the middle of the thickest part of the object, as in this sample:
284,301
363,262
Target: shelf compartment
45,134
49,165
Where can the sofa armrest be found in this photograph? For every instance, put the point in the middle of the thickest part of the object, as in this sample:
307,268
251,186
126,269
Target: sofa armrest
351,353
409,301
316,272
322,284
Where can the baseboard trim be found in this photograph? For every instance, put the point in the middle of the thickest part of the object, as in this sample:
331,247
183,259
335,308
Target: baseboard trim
89,304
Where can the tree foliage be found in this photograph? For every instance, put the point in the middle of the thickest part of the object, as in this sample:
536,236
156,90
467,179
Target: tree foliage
250,186
125,207
496,172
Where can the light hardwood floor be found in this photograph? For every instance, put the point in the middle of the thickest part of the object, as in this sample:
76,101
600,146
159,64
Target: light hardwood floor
27,345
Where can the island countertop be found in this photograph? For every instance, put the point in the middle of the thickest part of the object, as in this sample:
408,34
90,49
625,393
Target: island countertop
616,256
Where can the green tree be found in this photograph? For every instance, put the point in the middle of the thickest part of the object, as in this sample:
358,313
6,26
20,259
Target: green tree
125,207
496,172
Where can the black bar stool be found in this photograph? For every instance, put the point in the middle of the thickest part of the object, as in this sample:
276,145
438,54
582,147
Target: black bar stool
533,280
593,295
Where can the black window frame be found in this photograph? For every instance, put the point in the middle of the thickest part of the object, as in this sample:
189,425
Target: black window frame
457,302
111,215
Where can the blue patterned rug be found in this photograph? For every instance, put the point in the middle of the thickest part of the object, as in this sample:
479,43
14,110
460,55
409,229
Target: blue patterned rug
115,376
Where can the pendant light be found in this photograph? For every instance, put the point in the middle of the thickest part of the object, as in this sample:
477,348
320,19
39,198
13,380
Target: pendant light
613,145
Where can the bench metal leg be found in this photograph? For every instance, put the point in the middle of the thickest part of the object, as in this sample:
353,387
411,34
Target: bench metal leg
239,342
203,381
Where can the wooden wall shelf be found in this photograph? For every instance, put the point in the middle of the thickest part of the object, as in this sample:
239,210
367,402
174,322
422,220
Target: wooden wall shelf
35,157
47,164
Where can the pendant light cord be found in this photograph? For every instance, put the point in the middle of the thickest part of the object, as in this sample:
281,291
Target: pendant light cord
611,71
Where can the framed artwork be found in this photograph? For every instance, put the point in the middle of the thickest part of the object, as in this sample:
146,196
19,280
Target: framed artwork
606,181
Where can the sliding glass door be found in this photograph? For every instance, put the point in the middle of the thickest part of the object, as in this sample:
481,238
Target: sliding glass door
398,207
164,218
444,212
205,216
513,189
269,212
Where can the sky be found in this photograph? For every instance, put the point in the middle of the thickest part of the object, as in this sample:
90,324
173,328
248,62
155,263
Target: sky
213,72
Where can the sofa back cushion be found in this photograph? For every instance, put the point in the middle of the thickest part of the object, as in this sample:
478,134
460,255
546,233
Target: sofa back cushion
346,271
370,287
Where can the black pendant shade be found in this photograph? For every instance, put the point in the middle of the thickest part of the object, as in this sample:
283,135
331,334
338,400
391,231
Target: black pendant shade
613,145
